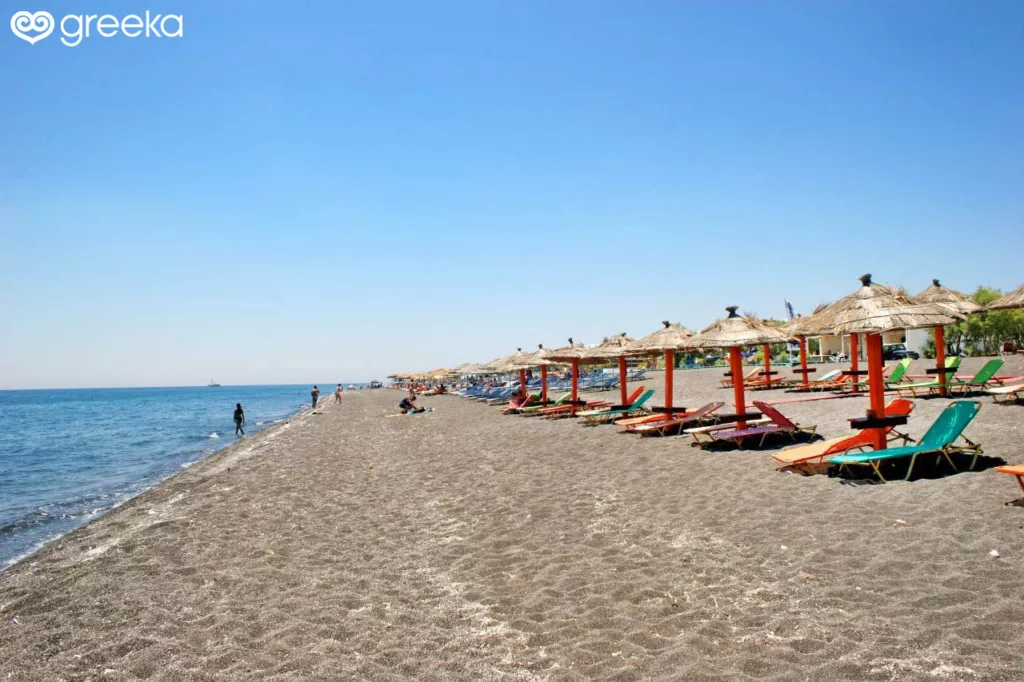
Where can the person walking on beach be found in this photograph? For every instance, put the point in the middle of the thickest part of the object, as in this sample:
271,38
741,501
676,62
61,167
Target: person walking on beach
316,395
239,419
337,394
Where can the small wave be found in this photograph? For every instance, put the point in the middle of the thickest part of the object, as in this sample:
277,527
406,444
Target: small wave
186,465
32,550
278,421
213,435
259,423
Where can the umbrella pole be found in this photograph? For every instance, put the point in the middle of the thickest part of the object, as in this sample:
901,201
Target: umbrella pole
622,381
877,382
670,363
736,366
940,357
855,360
803,362
767,364
544,384
575,384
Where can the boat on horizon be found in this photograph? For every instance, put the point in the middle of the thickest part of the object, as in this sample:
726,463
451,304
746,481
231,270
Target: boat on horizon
212,384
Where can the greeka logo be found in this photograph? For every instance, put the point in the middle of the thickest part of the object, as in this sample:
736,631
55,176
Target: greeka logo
40,22
74,28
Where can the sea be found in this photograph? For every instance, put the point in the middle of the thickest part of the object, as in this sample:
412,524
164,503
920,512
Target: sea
68,456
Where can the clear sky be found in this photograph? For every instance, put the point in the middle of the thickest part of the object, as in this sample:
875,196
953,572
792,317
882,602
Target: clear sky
333,191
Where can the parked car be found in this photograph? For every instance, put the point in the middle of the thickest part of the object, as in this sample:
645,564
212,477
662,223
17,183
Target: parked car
898,351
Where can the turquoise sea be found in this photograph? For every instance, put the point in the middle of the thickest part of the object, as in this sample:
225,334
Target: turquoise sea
67,456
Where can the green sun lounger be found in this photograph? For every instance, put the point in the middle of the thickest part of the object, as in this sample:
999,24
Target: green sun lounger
534,410
980,381
891,381
592,417
897,373
927,386
940,440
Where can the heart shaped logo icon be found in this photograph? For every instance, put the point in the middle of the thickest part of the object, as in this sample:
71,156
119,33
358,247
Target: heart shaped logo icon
41,23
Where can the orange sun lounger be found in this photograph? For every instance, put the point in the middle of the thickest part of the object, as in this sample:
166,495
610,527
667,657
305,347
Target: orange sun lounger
1014,470
727,382
570,410
678,421
817,452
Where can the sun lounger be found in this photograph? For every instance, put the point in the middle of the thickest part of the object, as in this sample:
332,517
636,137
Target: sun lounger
699,432
925,387
1007,393
840,382
676,422
891,381
802,455
940,439
767,382
980,381
779,424
560,411
603,416
815,384
1014,470
727,382
534,410
512,409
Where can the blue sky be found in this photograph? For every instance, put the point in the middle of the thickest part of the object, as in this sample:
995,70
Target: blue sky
332,191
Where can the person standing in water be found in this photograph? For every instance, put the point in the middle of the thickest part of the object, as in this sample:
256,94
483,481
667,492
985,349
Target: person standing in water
337,394
239,419
316,395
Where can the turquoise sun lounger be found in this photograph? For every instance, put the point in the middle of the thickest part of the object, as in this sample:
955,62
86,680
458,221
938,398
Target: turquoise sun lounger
605,416
940,440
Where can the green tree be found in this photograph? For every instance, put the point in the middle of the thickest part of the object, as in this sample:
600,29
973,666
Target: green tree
985,332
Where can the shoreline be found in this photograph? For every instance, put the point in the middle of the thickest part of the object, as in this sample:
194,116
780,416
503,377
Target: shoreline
463,544
45,544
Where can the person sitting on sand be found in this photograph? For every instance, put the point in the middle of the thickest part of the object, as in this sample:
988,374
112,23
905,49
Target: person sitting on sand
409,405
518,398
239,419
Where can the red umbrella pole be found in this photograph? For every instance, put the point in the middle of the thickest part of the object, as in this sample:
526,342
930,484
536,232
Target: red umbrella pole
803,362
940,357
877,382
855,360
670,363
543,384
622,381
767,364
575,383
736,367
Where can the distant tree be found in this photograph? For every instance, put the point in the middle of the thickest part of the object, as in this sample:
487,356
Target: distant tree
983,331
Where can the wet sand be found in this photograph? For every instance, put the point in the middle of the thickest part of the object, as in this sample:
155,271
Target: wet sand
462,544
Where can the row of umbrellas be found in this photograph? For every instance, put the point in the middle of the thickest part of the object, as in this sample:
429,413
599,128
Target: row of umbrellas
870,310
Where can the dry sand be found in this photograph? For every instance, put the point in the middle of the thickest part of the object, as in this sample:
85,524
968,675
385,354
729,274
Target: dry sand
462,544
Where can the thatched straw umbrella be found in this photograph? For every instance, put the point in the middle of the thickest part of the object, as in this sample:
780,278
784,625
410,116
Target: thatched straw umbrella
513,363
669,339
950,300
822,322
572,354
872,310
1010,301
614,347
538,358
734,332
800,329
